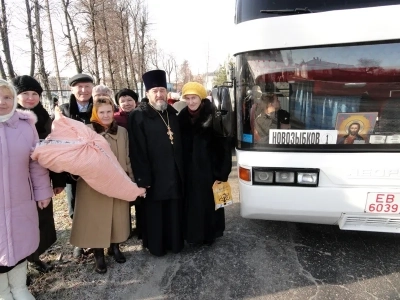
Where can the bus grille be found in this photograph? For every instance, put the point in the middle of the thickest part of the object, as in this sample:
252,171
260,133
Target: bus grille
370,223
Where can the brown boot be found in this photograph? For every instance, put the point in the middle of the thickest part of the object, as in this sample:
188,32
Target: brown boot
116,252
100,263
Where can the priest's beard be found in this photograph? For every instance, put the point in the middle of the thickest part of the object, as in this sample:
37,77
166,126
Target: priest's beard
162,105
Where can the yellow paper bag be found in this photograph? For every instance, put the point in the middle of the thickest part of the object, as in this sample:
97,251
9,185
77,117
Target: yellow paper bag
222,194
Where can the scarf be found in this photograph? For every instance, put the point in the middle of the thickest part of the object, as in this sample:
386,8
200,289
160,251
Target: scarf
112,129
42,118
95,118
194,114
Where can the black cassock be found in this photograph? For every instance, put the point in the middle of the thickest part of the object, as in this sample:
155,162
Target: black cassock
156,163
207,157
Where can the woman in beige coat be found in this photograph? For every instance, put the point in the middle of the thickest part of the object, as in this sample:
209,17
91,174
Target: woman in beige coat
100,221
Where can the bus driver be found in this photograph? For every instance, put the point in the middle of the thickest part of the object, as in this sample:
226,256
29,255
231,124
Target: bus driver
272,117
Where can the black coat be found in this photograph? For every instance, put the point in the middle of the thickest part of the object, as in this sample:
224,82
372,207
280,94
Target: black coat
156,163
47,228
207,157
71,110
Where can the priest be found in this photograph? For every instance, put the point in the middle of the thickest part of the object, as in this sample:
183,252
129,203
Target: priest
156,156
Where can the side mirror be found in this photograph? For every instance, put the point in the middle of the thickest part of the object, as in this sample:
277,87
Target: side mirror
223,114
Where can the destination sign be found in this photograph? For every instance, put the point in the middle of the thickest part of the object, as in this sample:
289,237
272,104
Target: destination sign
302,137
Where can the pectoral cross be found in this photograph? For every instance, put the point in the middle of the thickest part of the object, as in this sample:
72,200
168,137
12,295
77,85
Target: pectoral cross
170,133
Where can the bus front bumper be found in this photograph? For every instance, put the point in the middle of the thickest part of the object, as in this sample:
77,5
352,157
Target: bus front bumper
345,207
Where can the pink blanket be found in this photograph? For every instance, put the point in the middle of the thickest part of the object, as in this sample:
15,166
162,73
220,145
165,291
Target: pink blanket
74,148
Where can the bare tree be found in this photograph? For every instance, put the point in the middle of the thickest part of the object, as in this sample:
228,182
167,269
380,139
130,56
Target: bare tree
2,71
198,78
156,55
4,39
169,64
31,38
108,46
140,18
72,35
129,45
123,24
185,73
102,59
176,75
92,16
53,46
44,76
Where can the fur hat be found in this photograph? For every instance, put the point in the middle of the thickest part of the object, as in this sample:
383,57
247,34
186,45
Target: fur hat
26,83
126,92
79,78
194,88
154,78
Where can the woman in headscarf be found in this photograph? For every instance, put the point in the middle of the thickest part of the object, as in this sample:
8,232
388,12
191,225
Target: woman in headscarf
24,186
29,92
100,221
207,159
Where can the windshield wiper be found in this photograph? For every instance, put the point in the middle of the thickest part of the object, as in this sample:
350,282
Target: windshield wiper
286,11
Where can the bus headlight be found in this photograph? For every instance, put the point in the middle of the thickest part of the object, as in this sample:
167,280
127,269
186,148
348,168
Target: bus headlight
307,178
263,177
284,177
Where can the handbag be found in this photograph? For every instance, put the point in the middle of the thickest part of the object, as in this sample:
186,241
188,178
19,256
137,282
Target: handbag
222,194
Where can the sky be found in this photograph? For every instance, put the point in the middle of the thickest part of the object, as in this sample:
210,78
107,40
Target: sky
196,30
199,31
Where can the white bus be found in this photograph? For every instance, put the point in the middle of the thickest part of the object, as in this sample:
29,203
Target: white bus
317,88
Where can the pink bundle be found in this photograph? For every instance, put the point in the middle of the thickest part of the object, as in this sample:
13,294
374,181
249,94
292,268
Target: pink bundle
74,148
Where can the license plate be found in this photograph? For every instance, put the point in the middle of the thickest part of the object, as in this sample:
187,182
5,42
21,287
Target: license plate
383,203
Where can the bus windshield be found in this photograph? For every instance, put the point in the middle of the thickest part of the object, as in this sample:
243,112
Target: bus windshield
251,9
341,98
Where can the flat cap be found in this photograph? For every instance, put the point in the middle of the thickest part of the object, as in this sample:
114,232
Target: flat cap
79,78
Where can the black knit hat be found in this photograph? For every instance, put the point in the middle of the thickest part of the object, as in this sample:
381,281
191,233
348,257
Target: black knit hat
155,78
126,92
26,83
79,78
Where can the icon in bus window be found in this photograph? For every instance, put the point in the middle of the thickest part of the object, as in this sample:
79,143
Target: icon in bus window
355,128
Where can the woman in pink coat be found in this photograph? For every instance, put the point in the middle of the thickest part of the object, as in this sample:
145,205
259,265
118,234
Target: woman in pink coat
22,182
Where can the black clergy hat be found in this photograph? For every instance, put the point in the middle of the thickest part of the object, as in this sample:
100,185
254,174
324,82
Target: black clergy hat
154,78
79,78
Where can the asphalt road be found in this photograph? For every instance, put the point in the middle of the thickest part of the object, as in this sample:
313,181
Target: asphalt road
254,259
275,260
